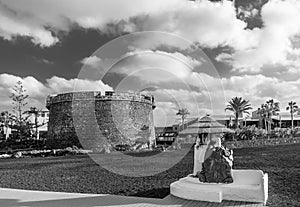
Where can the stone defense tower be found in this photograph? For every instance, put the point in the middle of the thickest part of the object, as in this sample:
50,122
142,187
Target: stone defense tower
98,122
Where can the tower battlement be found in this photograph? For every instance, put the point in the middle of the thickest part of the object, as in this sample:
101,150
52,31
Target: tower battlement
98,96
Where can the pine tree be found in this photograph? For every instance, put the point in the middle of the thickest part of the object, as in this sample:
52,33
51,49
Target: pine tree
19,119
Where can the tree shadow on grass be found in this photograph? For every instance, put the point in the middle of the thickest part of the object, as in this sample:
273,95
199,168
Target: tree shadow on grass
110,200
105,200
153,193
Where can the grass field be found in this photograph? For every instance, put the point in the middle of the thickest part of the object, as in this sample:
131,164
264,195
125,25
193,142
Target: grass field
82,174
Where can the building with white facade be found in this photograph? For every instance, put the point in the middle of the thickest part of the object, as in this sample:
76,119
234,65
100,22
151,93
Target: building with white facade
40,122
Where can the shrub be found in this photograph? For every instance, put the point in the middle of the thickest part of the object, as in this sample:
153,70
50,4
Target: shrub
253,133
246,133
76,151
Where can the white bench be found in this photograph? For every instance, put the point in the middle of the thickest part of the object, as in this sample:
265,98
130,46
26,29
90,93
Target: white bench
248,185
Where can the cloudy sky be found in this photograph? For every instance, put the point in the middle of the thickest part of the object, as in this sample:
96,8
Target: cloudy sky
194,54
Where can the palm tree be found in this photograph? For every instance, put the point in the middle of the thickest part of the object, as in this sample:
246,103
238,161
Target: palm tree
267,110
263,112
183,112
292,107
238,105
273,109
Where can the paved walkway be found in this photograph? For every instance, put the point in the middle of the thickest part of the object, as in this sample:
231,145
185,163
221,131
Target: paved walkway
22,198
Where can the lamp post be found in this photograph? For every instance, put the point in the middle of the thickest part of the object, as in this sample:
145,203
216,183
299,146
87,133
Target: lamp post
279,121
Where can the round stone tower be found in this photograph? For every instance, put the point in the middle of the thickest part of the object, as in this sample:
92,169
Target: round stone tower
99,122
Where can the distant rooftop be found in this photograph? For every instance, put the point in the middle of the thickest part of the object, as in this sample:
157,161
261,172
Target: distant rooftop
186,120
286,117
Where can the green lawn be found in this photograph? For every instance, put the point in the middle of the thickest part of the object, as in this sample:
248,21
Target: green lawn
82,174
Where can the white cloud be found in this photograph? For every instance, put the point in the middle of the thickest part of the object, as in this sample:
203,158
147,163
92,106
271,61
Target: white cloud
36,19
168,101
15,26
43,60
204,26
34,87
58,85
156,66
247,11
92,61
208,23
259,88
164,113
272,44
198,22
38,91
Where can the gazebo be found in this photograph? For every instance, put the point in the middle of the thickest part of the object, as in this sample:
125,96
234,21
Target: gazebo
205,127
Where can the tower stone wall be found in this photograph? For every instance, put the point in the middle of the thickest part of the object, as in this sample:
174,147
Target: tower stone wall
99,121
